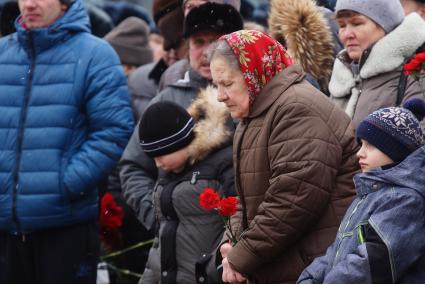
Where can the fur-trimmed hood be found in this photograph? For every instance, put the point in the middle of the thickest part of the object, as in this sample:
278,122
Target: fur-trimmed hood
211,130
308,38
388,54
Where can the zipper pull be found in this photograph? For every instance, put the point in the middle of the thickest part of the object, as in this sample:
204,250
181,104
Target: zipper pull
194,175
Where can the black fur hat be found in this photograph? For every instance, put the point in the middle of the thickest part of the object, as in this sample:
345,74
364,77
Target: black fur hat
212,17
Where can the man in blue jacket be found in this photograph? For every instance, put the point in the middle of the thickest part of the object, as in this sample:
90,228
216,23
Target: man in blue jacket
65,118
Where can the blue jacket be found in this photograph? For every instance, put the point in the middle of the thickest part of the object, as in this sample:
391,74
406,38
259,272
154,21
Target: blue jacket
381,238
65,119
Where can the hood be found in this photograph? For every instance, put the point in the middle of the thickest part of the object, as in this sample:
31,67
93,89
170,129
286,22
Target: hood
386,55
74,20
410,173
307,36
211,130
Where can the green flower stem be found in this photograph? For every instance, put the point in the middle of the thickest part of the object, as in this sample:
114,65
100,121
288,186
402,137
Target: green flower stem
117,253
123,271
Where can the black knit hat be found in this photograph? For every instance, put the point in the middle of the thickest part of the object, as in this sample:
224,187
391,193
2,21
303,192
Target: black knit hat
395,131
212,17
165,128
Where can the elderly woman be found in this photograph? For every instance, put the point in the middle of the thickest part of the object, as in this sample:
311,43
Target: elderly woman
294,159
378,40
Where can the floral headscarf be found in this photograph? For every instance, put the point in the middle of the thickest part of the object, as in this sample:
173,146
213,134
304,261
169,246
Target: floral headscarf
260,58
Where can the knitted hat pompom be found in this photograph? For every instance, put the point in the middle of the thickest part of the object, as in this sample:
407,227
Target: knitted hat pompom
417,107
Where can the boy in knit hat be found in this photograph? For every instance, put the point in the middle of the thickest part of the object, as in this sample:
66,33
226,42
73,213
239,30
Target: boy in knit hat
190,156
380,239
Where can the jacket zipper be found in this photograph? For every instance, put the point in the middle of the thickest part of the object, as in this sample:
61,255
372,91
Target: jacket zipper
22,122
345,228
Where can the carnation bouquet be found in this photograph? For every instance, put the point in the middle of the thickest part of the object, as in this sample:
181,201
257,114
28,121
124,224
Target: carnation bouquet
415,65
226,207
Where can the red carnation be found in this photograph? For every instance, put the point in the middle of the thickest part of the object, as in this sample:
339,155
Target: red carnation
414,66
209,199
228,206
111,215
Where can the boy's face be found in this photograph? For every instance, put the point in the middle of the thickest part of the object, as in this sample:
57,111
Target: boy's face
173,162
371,157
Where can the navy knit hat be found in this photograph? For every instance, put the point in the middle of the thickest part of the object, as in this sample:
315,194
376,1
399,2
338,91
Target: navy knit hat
165,128
395,131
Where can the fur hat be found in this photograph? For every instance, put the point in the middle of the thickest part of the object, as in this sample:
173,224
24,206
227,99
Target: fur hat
165,128
130,41
395,131
212,17
169,17
386,13
302,28
234,3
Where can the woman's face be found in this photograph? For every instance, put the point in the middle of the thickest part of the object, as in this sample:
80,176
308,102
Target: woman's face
232,89
357,33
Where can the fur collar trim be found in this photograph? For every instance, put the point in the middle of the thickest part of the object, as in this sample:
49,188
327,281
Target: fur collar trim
306,33
388,54
211,131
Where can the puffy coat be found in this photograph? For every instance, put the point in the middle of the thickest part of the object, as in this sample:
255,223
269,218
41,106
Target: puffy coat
294,159
381,238
65,119
137,170
376,85
197,232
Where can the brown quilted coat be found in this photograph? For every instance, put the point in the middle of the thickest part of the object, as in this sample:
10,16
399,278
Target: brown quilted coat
294,158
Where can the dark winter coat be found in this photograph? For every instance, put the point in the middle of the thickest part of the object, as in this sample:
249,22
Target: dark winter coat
381,66
294,159
381,238
137,170
193,233
65,119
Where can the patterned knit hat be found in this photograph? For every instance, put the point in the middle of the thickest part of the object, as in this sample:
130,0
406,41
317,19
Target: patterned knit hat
165,128
395,131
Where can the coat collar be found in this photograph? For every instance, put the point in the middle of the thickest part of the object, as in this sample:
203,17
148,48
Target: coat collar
388,54
274,89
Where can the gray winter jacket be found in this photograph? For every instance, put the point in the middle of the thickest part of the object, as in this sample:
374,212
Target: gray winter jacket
187,233
381,66
381,238
137,171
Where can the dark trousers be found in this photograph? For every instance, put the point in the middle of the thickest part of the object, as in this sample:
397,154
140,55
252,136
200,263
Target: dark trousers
67,255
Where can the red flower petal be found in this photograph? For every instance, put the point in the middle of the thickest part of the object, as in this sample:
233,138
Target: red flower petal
228,206
209,199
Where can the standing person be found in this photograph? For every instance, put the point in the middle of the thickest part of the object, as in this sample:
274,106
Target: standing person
294,159
192,151
65,121
378,40
137,170
411,6
381,238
